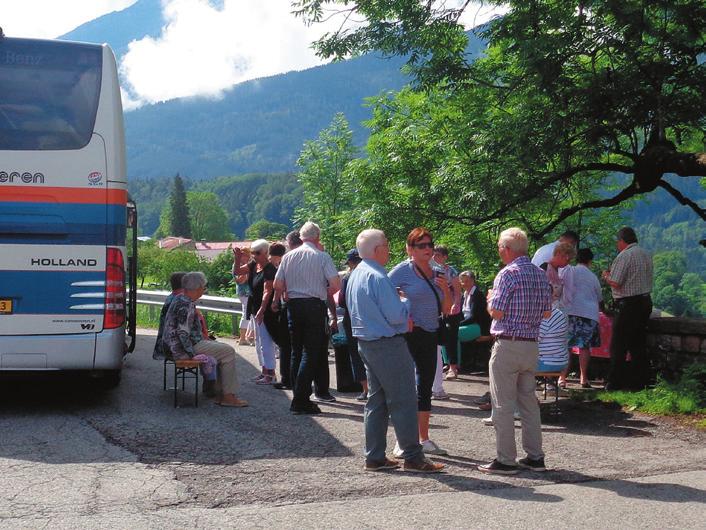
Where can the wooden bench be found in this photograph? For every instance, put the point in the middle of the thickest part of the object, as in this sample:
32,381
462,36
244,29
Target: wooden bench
187,369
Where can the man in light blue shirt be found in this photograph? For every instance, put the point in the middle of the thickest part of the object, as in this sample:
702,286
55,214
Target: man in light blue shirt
379,320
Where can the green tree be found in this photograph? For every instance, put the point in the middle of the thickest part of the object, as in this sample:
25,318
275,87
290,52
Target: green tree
328,190
675,290
569,94
207,218
148,254
179,218
265,229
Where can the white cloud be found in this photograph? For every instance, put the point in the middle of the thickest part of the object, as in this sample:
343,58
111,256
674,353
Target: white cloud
46,19
203,50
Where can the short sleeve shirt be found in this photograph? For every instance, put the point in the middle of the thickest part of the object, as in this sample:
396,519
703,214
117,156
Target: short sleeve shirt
306,271
424,308
632,270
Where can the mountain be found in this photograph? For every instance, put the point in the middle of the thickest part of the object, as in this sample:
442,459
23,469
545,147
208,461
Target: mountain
119,28
257,126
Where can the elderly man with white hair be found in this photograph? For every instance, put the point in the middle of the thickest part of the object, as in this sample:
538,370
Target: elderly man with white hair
307,275
520,298
379,320
184,339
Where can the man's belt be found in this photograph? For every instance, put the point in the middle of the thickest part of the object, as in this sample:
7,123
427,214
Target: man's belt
515,338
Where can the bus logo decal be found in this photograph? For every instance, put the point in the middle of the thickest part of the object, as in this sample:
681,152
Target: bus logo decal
94,178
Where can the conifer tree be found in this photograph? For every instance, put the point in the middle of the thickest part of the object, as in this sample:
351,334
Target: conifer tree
179,223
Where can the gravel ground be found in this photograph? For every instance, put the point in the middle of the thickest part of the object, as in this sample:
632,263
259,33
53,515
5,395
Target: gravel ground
262,455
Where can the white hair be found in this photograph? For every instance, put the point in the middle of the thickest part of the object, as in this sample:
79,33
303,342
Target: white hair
367,240
260,244
194,280
309,231
515,239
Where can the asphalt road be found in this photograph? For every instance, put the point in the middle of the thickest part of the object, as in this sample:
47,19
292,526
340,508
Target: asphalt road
74,457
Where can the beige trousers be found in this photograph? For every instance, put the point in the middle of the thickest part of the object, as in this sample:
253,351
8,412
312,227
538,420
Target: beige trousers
224,354
512,383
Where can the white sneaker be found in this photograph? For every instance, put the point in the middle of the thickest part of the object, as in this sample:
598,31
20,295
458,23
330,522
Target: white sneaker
398,452
431,448
441,396
489,421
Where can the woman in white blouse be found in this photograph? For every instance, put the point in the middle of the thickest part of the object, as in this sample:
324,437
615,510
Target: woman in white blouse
581,297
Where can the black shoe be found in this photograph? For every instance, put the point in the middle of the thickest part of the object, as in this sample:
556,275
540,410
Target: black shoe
323,398
363,396
281,386
485,398
311,409
496,468
532,465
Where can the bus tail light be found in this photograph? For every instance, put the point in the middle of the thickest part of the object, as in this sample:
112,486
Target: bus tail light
114,313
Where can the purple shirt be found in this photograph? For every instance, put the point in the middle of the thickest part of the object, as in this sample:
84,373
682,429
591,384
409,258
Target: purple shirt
521,291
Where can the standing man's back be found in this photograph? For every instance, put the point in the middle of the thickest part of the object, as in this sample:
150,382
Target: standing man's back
307,274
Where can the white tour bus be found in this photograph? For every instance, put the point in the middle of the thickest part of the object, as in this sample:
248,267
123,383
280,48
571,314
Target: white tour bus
64,211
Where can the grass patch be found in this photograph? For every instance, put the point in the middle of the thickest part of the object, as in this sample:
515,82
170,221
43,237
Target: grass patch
686,396
219,324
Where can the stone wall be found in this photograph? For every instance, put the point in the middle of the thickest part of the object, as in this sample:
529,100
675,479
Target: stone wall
675,343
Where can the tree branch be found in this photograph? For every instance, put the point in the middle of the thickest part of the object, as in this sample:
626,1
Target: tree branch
625,194
686,164
701,212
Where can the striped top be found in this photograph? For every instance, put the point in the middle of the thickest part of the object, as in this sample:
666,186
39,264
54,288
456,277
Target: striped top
424,310
632,271
553,339
521,291
306,271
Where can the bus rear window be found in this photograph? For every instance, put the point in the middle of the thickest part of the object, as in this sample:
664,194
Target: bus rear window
49,94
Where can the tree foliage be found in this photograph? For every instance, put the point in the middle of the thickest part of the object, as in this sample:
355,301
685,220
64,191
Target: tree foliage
568,94
179,219
207,218
328,190
265,229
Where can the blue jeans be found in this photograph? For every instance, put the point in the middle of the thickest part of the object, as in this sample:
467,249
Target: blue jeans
391,394
307,323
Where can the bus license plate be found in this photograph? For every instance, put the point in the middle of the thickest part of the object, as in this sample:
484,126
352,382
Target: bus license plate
5,306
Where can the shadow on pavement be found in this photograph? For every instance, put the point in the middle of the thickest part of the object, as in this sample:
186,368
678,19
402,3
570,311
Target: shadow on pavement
61,418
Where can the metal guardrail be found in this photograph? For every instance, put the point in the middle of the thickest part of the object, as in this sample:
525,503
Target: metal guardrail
216,304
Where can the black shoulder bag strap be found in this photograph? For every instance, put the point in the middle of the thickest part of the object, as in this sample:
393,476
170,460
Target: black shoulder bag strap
438,301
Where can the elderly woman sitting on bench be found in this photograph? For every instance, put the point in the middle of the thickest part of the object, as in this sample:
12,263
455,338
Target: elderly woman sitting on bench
184,339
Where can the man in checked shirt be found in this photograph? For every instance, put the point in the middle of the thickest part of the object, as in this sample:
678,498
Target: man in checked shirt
630,280
520,298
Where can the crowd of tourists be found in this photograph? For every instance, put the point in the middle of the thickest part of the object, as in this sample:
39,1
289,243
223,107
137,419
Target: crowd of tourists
405,330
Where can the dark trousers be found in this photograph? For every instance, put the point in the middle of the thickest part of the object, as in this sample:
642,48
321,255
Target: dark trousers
629,335
422,347
307,325
278,328
452,322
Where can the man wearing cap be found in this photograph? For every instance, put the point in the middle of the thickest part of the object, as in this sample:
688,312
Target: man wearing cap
630,280
357,366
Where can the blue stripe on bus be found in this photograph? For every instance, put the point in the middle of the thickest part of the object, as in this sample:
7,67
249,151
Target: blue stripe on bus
46,223
49,292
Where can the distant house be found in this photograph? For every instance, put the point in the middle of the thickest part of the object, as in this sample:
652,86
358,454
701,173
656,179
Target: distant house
209,250
172,242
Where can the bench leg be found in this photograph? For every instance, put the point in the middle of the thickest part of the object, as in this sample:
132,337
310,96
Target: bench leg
176,386
196,388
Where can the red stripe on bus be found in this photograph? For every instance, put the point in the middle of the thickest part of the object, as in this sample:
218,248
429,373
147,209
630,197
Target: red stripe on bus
62,195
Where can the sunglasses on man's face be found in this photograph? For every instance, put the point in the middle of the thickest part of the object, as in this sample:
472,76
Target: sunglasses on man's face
424,245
